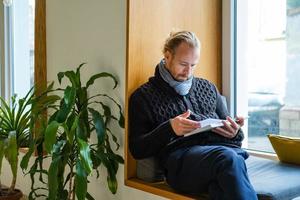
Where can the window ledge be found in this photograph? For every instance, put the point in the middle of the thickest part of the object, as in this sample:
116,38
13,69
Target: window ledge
271,156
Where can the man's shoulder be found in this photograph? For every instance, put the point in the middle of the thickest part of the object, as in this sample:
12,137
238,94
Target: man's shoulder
145,89
199,80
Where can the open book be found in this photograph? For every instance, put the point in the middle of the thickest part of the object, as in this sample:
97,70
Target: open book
206,125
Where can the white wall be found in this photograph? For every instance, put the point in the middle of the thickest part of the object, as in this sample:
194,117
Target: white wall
92,31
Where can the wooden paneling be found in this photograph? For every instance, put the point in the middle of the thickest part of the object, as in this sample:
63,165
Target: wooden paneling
149,23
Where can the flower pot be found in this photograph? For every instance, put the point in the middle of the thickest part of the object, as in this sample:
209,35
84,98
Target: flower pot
15,195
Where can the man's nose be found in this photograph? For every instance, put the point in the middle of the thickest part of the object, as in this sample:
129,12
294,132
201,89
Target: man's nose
189,68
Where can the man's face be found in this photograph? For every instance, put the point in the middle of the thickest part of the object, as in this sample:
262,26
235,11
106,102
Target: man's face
181,65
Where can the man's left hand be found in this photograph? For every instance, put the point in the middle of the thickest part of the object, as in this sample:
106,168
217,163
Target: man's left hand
230,128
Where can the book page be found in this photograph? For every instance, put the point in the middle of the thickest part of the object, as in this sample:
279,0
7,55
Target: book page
206,125
211,122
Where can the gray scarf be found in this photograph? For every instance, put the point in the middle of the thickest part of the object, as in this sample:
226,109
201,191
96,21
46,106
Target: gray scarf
181,87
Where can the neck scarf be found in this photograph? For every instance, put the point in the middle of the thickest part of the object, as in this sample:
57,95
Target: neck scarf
181,87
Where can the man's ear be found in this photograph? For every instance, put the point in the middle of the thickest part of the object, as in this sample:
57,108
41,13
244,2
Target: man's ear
168,56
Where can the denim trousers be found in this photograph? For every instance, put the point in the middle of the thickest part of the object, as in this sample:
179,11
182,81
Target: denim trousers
217,170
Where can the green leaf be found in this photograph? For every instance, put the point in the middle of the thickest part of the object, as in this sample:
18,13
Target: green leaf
82,96
53,117
82,105
89,196
121,120
6,114
112,183
52,178
73,79
26,157
71,76
50,86
107,113
80,181
99,125
81,131
118,158
70,120
69,96
63,195
41,103
11,152
78,69
73,126
85,156
66,105
115,139
60,76
63,112
50,135
100,75
95,159
111,173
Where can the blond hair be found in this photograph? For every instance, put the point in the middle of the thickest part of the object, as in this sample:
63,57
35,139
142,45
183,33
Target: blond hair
176,38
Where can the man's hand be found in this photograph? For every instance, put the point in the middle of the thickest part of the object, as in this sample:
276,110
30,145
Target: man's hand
181,125
230,128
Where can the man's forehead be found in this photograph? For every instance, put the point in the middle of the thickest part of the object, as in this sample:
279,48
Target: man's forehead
185,48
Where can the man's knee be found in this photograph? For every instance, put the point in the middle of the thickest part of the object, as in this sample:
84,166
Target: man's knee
227,157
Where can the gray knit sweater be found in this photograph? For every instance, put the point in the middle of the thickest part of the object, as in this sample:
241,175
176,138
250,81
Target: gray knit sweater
152,106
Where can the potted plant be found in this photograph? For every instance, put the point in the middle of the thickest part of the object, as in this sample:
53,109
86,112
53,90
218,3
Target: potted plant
68,140
17,119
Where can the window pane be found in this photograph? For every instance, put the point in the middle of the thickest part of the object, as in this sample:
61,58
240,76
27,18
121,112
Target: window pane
268,69
23,46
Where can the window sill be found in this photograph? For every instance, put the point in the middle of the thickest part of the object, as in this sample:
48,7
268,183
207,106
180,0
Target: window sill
271,156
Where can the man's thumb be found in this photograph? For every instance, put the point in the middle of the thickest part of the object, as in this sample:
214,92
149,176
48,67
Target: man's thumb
186,114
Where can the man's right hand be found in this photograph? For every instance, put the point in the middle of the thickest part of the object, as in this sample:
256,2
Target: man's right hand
181,125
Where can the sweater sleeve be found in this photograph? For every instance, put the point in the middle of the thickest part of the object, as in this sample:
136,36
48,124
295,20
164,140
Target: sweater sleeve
222,112
144,139
221,108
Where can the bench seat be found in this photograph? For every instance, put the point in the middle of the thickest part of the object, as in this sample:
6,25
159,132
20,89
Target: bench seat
272,180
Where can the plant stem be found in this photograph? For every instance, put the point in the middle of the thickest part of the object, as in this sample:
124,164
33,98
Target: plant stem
73,191
71,181
13,184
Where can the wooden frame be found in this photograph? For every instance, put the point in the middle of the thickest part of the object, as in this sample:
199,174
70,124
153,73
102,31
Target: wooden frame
40,52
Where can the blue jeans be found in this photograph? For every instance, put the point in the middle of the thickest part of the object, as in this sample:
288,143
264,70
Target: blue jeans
218,170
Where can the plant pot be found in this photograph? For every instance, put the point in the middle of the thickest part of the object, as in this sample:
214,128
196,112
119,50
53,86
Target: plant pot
15,195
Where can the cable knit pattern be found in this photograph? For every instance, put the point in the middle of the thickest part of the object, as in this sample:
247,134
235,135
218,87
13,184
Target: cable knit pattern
163,106
152,106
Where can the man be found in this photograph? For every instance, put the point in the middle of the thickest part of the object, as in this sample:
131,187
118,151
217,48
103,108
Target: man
170,105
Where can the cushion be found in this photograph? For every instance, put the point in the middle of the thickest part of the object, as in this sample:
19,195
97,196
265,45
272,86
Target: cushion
286,148
149,170
273,180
